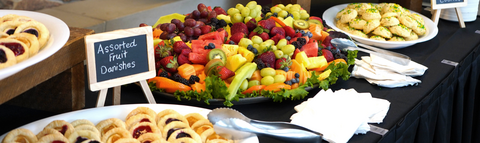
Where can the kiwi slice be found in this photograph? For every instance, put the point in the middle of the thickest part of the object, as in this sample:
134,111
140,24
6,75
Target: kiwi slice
212,64
301,24
217,54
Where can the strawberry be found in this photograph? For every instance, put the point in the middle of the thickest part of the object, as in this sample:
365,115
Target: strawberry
206,29
219,10
298,34
326,41
277,38
179,46
267,23
268,58
186,52
282,63
289,31
183,59
264,36
239,27
236,37
251,24
328,55
295,53
277,30
225,73
169,64
253,33
162,51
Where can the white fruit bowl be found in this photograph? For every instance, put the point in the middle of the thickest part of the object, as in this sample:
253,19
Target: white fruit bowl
432,30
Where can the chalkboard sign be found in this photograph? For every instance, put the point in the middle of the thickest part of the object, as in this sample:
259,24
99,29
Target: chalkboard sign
442,4
120,57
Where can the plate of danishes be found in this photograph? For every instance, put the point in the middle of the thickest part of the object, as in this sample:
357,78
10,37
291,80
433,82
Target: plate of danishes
133,123
385,25
27,38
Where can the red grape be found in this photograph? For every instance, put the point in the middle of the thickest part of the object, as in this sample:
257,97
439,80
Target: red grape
142,24
171,35
204,20
163,35
189,22
199,24
175,21
195,14
183,37
197,32
202,7
211,15
180,26
170,28
204,14
188,31
188,17
163,26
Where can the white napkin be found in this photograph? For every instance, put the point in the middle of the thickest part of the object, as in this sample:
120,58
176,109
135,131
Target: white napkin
382,72
340,115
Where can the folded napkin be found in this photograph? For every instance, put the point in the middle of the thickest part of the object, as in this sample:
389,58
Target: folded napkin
382,72
341,114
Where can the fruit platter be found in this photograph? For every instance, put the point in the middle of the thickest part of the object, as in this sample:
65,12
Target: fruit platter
245,52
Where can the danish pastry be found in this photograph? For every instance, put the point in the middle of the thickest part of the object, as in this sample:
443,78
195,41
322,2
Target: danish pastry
138,119
142,128
36,28
163,113
151,138
173,117
29,40
47,131
62,126
115,134
91,141
88,128
20,135
82,135
106,125
205,131
172,127
20,50
127,140
8,17
141,110
53,138
7,57
184,133
82,122
10,26
194,117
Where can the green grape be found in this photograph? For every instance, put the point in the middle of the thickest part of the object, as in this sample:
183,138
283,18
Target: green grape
278,54
285,56
297,5
294,9
251,4
279,78
275,9
258,8
263,46
256,46
232,11
270,42
267,72
253,83
273,47
257,39
237,17
281,6
304,15
281,43
268,14
282,13
244,42
296,15
267,80
244,85
288,49
288,5
253,13
247,19
245,11
239,6
303,11
259,17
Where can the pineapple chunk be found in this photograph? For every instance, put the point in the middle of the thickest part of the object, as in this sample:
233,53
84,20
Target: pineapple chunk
316,62
234,62
324,75
246,54
229,49
302,58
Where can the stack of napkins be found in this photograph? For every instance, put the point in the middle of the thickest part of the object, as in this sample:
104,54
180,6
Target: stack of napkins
382,72
340,115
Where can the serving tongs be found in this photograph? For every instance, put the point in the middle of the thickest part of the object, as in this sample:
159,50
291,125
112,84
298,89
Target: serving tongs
345,44
230,123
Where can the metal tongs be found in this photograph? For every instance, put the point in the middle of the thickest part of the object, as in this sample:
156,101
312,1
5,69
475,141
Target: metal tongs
345,44
230,123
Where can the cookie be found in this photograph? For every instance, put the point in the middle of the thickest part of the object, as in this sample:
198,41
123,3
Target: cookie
143,127
389,21
400,30
407,20
371,25
371,14
357,23
382,31
377,37
413,36
397,39
348,15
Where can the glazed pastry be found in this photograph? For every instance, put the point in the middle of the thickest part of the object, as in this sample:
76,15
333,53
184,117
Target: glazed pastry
88,128
172,127
53,138
82,135
371,25
184,133
151,137
7,57
105,125
389,21
114,134
37,29
141,110
142,128
400,30
139,118
20,50
371,14
82,122
382,31
47,131
173,117
127,140
29,40
163,113
357,23
62,126
10,26
200,123
20,135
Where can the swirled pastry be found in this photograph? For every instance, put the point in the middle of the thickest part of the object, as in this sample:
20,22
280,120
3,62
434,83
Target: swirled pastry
141,110
7,57
29,40
47,131
82,135
106,125
382,31
171,118
82,122
205,131
133,120
184,133
358,23
151,138
10,26
36,28
62,126
389,21
407,20
20,50
91,141
396,38
88,128
400,30
348,15
371,25
412,37
53,138
371,14
376,37
7,17
115,134
127,140
142,128
163,113
20,135
172,127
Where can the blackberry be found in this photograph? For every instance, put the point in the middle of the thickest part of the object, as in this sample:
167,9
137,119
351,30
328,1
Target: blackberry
214,20
176,77
296,44
163,74
193,79
222,23
260,64
230,24
302,41
183,81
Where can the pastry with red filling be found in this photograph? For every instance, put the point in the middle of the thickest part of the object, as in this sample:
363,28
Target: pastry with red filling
20,135
62,126
7,57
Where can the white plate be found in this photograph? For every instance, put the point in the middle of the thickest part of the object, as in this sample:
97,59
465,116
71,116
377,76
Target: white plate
96,115
59,34
432,30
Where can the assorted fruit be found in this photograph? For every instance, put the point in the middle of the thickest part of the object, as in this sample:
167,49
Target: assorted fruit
246,51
